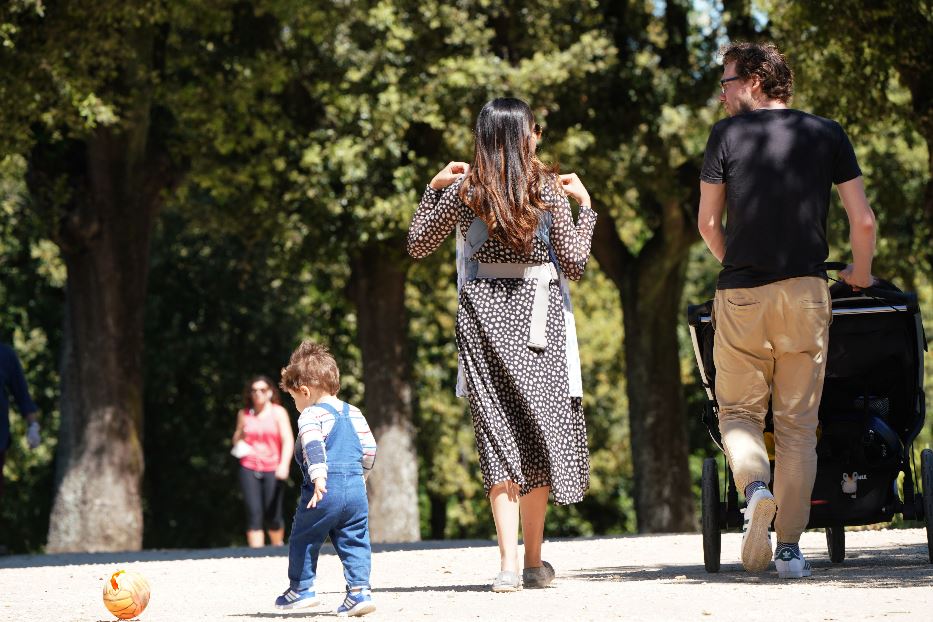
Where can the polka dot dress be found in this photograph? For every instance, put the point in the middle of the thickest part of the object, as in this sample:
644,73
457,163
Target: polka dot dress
528,427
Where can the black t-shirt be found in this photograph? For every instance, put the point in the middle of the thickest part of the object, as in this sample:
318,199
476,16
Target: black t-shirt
779,166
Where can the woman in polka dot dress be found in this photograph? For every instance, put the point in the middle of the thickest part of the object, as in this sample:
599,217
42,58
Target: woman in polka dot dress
516,245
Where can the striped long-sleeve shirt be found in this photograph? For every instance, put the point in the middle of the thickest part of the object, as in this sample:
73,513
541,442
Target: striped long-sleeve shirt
315,423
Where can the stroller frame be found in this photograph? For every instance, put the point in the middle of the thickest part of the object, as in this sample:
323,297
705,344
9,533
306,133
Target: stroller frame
720,503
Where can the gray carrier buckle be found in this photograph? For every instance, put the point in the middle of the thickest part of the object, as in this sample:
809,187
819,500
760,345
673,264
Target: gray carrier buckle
543,274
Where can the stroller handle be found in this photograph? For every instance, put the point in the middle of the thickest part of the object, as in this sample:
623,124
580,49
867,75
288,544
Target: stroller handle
873,291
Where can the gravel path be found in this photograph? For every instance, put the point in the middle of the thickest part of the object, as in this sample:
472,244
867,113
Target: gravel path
886,576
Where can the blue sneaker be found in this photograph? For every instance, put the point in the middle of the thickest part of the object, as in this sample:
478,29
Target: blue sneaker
293,599
357,603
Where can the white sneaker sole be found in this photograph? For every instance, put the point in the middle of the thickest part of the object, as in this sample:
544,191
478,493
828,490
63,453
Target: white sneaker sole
500,589
756,548
794,574
303,604
360,610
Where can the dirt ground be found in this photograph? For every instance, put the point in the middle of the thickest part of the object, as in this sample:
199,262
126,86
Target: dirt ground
886,576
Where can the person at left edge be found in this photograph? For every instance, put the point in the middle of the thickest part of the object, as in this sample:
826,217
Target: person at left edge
13,381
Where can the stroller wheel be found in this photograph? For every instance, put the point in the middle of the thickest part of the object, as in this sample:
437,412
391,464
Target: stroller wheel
712,537
836,543
926,473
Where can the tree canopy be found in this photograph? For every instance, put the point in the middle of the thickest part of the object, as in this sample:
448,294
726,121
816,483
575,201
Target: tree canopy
191,188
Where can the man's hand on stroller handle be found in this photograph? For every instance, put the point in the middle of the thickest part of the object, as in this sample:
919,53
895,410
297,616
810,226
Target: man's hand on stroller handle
856,279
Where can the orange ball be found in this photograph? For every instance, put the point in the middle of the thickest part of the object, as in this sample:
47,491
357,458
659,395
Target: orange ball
126,594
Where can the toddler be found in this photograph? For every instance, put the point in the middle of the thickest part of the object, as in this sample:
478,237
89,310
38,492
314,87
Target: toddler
336,451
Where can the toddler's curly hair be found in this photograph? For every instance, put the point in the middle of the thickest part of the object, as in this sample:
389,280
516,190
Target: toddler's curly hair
313,366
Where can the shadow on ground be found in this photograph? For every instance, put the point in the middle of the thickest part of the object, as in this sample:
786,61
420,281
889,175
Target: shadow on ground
871,567
907,566
73,559
285,615
436,588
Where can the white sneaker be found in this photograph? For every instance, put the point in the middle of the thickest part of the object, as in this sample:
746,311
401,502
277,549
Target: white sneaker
790,565
756,539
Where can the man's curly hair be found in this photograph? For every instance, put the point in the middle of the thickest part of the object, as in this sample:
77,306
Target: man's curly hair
766,62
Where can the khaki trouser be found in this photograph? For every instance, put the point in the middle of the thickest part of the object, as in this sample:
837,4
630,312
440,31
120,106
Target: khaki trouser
771,343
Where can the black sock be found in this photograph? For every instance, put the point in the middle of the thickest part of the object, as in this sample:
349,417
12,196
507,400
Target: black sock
752,488
794,548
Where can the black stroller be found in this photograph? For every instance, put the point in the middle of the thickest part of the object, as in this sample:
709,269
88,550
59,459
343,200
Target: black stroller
872,409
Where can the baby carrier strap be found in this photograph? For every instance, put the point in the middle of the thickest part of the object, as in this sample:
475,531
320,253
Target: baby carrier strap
467,268
541,274
475,236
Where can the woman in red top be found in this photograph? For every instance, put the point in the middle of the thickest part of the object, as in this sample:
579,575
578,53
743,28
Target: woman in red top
263,442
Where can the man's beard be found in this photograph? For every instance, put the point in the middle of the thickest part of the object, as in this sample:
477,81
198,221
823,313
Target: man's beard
744,105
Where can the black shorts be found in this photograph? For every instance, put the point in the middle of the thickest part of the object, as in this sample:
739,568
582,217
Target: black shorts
262,493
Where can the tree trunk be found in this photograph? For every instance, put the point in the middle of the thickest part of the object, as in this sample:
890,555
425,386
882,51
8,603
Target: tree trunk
650,287
103,191
377,287
105,245
651,308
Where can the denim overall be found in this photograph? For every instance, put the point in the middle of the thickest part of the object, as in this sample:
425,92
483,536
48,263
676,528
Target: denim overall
342,514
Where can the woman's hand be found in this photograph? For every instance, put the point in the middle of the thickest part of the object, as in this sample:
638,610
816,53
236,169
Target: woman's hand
575,188
449,174
281,472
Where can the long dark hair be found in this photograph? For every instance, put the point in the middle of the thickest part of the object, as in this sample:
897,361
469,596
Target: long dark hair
506,177
247,391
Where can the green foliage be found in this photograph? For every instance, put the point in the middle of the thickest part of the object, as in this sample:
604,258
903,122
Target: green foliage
306,130
30,299
852,65
226,310
608,507
399,112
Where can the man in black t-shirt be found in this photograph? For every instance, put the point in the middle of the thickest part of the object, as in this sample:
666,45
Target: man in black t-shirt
771,169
